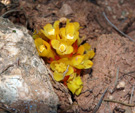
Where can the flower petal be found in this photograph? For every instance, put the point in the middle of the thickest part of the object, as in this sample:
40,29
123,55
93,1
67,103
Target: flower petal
69,50
78,80
55,43
44,48
47,28
77,26
56,24
38,42
80,66
70,29
52,65
70,70
50,32
68,21
86,64
72,86
62,33
76,60
80,50
89,55
58,76
61,47
75,84
72,76
78,91
87,46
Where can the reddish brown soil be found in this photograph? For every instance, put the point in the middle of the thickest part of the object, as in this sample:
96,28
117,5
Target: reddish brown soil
114,53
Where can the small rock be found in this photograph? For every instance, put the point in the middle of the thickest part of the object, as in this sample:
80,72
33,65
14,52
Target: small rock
5,2
121,85
38,6
24,79
111,97
114,16
65,10
121,2
109,8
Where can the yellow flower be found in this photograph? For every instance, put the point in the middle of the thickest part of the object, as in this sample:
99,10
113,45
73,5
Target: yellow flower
44,49
75,84
61,47
61,69
89,55
51,32
81,50
81,62
70,32
65,54
86,48
39,34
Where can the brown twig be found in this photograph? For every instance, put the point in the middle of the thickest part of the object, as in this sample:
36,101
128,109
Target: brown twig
107,106
125,29
6,68
99,23
132,92
127,74
15,10
68,108
10,11
116,81
117,28
49,71
100,102
5,109
89,90
122,103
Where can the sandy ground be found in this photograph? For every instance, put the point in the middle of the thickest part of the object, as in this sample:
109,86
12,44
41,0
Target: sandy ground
114,64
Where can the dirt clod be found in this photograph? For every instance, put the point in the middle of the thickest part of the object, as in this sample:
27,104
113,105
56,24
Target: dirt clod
65,10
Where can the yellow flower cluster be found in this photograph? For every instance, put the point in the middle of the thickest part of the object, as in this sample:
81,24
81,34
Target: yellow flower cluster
61,46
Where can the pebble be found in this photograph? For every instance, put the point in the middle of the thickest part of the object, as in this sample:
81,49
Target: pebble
121,2
109,8
65,10
121,85
114,16
111,97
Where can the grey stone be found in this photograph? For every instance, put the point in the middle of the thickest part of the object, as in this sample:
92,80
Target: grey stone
24,79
